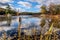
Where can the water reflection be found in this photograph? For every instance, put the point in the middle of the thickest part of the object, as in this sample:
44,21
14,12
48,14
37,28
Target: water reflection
27,21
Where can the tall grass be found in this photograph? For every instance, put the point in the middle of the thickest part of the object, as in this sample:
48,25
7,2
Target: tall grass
47,36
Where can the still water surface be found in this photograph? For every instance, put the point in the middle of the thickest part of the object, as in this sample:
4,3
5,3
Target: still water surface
27,21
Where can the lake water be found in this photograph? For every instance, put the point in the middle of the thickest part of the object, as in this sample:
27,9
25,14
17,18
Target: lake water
27,22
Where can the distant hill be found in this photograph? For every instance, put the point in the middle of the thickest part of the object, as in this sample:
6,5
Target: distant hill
29,13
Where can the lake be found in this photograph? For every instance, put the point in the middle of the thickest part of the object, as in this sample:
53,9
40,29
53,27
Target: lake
27,23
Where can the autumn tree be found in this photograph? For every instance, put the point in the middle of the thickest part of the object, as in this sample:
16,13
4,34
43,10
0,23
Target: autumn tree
54,9
43,9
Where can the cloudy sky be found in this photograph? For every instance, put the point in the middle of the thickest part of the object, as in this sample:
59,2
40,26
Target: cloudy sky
27,5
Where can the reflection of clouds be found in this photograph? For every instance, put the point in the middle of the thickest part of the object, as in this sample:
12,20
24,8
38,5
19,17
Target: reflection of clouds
27,22
4,22
23,19
6,28
14,23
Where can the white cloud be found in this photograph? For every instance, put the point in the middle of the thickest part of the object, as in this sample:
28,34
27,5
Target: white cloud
52,1
46,2
38,1
5,1
25,4
12,6
6,28
38,6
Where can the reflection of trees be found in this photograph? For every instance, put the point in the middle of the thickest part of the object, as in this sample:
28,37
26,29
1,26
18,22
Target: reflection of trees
8,21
